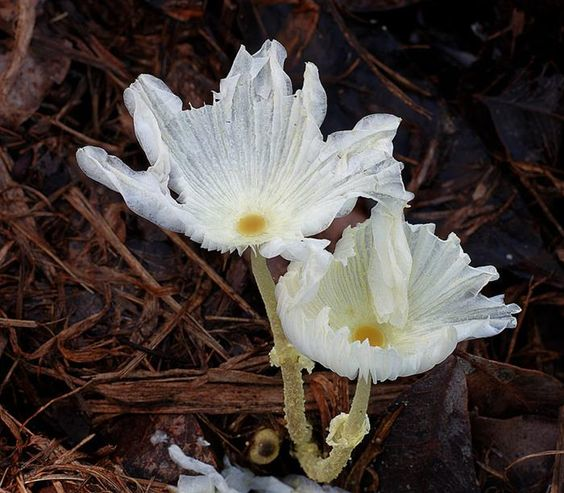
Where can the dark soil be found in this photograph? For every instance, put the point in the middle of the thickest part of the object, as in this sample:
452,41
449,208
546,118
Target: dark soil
111,328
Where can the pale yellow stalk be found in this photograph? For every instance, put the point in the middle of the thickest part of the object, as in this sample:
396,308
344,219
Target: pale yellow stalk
346,431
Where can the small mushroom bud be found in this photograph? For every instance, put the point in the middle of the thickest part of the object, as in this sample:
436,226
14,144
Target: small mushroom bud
265,446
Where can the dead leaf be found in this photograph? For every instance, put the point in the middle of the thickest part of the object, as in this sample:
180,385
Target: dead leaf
299,28
528,117
27,73
33,80
144,459
500,390
484,207
506,440
429,448
192,81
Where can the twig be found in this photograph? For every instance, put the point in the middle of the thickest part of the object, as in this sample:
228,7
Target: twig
377,67
24,32
558,473
212,274
81,204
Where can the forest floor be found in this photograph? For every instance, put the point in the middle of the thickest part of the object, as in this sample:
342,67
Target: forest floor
112,329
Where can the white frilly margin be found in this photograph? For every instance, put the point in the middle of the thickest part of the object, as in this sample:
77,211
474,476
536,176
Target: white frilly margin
256,149
421,286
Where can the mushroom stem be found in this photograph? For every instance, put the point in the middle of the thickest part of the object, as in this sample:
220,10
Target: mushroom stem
346,430
290,361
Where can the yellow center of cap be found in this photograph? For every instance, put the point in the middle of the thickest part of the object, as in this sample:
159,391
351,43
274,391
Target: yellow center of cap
371,332
251,225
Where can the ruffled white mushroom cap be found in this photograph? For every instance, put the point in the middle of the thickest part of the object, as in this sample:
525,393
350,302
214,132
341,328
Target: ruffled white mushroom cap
394,301
252,169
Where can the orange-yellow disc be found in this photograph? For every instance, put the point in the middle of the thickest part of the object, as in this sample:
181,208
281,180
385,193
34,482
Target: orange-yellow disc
251,225
371,332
